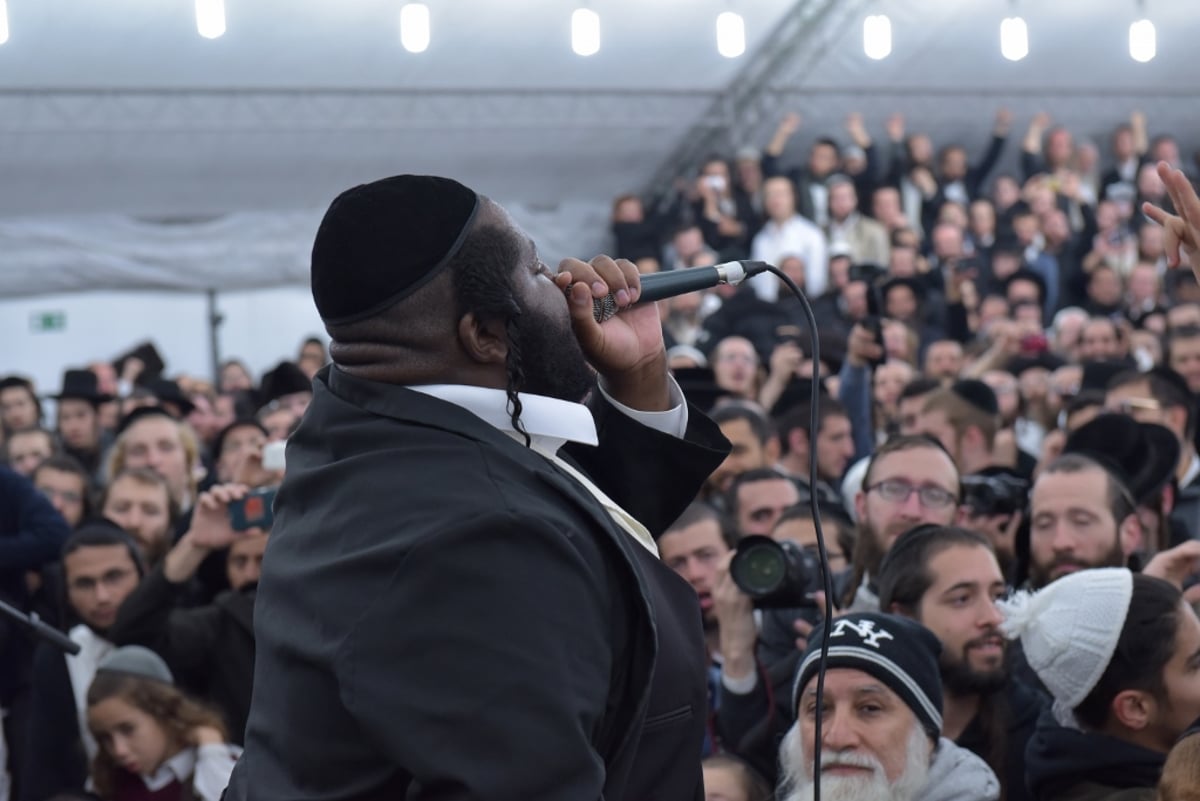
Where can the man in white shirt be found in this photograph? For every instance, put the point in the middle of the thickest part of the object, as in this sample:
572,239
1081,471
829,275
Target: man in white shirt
786,233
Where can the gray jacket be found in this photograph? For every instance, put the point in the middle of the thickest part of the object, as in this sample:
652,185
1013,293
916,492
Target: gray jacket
959,775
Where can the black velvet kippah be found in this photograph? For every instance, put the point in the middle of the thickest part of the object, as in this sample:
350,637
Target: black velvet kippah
978,394
381,241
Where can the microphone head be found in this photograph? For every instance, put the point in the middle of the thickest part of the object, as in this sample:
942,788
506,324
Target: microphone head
604,308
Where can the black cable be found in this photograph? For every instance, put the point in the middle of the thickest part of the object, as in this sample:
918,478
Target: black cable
826,578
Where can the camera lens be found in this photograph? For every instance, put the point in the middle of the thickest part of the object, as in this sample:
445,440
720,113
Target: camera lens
759,569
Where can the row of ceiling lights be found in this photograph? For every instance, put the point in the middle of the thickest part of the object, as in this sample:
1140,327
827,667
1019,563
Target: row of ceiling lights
731,32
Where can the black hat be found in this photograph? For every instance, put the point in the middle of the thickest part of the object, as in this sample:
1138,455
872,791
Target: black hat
1026,274
285,379
140,413
1143,455
978,394
81,385
1097,374
798,392
10,381
381,241
1046,360
152,362
219,442
912,282
169,392
866,271
699,386
895,650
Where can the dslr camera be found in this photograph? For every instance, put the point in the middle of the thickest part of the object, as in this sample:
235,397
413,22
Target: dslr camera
995,495
776,575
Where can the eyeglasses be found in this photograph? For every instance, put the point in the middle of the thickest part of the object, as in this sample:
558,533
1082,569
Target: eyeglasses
893,490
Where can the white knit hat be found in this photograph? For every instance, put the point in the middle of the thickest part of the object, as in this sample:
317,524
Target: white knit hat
1069,631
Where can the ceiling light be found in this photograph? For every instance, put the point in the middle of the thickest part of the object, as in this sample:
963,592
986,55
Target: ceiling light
210,18
1014,39
414,27
731,34
585,32
877,36
1142,41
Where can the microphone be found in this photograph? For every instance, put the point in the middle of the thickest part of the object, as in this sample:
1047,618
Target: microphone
659,286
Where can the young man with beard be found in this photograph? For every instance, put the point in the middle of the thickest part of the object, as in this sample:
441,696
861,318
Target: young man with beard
101,567
481,614
881,736
211,648
948,580
1120,654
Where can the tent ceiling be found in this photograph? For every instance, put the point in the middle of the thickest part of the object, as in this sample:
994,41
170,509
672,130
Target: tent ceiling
119,107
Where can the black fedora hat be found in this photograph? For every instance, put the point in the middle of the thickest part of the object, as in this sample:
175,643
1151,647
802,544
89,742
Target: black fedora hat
169,392
81,385
1143,455
285,379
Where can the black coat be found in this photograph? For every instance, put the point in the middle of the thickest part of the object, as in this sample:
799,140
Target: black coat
54,759
444,614
210,649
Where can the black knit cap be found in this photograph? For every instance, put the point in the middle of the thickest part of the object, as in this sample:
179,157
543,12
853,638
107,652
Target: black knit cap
380,242
978,394
899,652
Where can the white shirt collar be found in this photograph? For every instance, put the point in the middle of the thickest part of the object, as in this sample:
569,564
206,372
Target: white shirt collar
551,422
1192,471
178,768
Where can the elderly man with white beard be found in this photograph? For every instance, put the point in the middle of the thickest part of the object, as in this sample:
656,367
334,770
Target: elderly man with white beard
881,720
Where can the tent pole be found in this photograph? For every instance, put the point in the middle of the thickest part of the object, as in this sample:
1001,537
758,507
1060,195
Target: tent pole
215,318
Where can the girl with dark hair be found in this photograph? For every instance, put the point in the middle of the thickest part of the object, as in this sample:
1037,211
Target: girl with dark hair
155,742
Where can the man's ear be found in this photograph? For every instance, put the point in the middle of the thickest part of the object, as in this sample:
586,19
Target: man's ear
484,341
1130,535
1134,709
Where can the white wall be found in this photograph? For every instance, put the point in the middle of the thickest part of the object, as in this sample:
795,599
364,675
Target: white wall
261,327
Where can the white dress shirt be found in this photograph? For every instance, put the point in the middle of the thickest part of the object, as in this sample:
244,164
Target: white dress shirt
795,237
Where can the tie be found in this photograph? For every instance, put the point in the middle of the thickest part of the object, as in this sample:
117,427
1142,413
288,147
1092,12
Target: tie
622,518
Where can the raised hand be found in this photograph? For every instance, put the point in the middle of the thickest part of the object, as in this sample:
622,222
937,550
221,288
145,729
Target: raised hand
1182,228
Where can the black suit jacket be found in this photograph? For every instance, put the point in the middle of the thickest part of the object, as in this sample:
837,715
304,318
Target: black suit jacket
54,757
444,614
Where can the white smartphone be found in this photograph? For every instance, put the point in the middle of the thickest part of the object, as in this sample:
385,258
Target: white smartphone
273,455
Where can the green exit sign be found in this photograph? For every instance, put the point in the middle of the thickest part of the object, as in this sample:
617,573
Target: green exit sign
41,322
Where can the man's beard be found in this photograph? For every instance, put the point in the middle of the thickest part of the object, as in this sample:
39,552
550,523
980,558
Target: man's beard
1040,576
798,785
550,357
959,678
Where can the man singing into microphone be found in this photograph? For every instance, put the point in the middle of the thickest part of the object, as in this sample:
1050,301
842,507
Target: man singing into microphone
462,598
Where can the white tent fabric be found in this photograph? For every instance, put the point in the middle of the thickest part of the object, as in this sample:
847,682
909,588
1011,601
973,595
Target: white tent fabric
116,113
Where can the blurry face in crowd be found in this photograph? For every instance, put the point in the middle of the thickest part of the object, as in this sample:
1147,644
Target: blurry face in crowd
953,214
99,578
155,442
106,377
1059,147
1147,343
910,413
803,532
760,503
243,565
78,424
27,449
896,341
688,242
954,164
835,448
890,379
1025,226
695,553
723,783
983,218
1181,680
312,358
793,268
920,149
749,173
1069,332
1148,183
1056,227
1005,192
843,200
735,366
901,303
1122,143
17,409
1183,314
943,359
1185,360
1105,287
779,200
1108,216
65,491
629,210
278,424
746,453
903,262
144,511
134,739
1099,340
1143,283
822,159
915,468
1072,527
1023,291
992,308
872,746
947,242
960,609
234,377
1064,384
1004,384
1150,243
855,296
885,206
238,442
1165,149
203,419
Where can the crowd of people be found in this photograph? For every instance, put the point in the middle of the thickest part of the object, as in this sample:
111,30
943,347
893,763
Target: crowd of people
1006,471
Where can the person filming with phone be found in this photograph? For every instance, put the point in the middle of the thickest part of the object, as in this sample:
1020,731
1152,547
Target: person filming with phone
210,649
